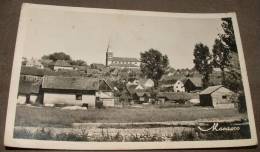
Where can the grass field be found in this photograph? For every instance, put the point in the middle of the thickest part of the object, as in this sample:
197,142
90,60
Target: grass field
56,117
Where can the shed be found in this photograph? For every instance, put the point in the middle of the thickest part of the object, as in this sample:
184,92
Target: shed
217,97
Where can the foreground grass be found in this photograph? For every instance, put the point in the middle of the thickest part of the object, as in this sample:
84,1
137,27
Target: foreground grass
56,117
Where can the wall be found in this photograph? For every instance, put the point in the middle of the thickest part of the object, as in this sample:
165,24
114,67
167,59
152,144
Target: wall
221,98
178,87
54,98
65,68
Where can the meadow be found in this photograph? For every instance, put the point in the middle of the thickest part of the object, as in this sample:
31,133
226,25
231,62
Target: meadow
56,117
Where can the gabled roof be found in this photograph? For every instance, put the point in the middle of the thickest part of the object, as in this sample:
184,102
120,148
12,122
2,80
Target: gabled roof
124,59
70,83
131,88
196,81
62,63
211,89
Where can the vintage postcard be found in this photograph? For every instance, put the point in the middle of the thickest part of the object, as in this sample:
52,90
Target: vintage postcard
87,78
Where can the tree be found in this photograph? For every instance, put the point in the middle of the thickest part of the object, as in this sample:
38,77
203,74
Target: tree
202,62
154,65
228,37
221,57
57,56
78,62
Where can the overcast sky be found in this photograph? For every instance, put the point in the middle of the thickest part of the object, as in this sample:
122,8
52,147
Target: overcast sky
85,35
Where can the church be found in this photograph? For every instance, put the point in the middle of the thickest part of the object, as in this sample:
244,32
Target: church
121,62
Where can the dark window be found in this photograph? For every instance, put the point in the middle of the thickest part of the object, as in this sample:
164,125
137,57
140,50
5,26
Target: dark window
224,97
78,97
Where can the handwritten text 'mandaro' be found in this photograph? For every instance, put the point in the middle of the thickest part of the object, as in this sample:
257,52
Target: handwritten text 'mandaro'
216,127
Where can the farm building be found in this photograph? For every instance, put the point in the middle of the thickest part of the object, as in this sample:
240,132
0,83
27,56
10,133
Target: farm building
192,84
76,91
62,65
142,97
184,85
179,86
28,92
217,97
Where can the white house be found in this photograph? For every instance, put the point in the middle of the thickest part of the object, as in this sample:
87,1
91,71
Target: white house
178,86
76,91
62,65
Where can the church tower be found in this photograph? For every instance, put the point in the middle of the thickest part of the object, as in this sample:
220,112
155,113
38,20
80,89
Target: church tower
109,56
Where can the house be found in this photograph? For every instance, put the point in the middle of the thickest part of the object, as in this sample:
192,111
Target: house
62,65
179,86
148,83
188,84
217,97
139,87
28,92
34,63
142,97
121,62
75,91
31,74
192,84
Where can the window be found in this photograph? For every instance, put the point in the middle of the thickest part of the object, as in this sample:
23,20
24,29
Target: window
78,97
224,97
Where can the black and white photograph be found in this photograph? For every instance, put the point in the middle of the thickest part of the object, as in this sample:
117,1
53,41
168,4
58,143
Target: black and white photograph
87,78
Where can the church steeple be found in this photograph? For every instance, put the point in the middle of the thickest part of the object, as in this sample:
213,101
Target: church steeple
109,55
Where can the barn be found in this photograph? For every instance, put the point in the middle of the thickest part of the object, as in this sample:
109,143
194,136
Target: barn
76,91
217,97
28,92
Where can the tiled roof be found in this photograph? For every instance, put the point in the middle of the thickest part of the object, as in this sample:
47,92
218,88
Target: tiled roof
70,83
32,71
211,89
122,65
28,87
62,63
124,59
195,80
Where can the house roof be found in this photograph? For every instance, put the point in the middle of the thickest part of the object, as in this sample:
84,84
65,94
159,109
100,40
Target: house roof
131,88
28,87
70,83
122,65
124,59
141,94
32,71
195,80
211,89
62,63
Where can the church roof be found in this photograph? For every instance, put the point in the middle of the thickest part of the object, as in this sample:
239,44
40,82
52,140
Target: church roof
124,59
122,65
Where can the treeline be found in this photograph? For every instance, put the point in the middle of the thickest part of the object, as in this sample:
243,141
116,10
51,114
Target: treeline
224,56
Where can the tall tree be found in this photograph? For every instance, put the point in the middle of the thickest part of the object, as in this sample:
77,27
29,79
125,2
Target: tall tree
154,65
221,57
228,37
202,61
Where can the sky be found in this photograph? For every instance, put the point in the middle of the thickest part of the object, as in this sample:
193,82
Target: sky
86,35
